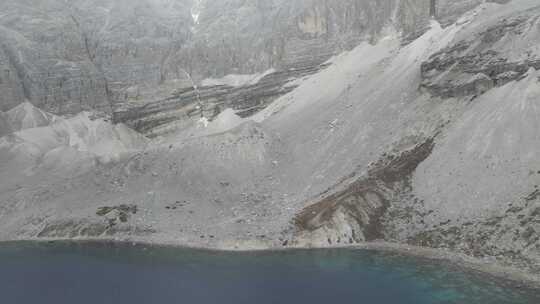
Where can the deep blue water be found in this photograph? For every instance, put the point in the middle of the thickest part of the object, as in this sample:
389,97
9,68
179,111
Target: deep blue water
121,274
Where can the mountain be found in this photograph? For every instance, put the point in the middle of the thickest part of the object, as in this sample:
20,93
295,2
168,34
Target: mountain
67,57
336,123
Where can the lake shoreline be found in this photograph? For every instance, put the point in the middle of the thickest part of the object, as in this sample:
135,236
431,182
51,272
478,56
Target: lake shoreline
466,263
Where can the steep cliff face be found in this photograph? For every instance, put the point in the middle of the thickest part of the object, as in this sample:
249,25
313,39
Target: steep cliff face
254,36
44,59
5,128
112,55
67,57
93,54
291,38
10,83
132,41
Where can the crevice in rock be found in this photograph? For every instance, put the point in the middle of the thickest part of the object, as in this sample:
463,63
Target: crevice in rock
21,73
92,59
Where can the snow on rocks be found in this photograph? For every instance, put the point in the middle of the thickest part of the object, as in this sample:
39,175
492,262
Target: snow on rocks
225,121
236,80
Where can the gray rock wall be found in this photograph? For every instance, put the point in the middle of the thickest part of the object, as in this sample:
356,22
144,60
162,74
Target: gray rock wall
245,38
91,54
5,128
10,83
69,56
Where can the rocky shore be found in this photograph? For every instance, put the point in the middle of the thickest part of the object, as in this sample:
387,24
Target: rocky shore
454,260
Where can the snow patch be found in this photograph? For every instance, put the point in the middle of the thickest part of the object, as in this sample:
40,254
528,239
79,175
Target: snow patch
236,80
27,116
203,122
225,121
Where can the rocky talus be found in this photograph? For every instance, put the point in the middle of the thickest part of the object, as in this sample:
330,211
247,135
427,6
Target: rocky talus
508,237
165,116
474,66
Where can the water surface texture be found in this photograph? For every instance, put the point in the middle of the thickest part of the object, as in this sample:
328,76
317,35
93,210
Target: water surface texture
121,274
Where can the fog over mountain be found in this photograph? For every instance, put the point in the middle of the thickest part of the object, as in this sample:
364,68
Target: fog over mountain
68,56
237,124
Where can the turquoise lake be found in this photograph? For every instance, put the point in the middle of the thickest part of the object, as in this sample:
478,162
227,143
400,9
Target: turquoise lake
101,273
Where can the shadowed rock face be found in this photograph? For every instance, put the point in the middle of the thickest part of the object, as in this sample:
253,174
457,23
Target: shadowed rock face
5,127
66,57
42,59
10,83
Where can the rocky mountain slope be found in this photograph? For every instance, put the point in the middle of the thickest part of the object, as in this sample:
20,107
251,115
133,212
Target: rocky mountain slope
414,137
67,57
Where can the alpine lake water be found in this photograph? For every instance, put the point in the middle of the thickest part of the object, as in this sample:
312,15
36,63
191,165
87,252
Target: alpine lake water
102,273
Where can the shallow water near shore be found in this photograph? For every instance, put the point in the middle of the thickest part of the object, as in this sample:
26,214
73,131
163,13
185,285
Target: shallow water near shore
118,273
